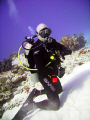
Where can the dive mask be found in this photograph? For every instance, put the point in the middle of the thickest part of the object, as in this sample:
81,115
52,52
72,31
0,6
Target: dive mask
45,32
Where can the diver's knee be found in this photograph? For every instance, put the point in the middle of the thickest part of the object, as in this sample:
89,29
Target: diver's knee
56,105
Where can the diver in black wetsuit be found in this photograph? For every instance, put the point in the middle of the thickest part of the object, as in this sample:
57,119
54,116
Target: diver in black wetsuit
44,63
42,56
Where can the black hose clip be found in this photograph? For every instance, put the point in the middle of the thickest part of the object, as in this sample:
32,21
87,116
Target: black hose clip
28,40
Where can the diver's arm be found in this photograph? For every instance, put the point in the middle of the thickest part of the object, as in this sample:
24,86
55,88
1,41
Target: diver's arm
31,62
63,50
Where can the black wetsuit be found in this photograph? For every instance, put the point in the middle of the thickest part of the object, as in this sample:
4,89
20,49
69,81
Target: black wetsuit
39,58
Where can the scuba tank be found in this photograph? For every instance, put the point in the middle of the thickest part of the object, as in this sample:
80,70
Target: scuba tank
34,77
29,43
29,40
27,50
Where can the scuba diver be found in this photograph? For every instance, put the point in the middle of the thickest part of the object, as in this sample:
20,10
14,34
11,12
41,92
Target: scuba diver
43,58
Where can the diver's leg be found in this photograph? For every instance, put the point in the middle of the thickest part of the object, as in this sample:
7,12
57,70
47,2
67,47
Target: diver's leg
34,93
53,102
50,104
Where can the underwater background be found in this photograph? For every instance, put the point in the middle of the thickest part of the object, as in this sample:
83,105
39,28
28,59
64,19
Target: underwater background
20,18
69,21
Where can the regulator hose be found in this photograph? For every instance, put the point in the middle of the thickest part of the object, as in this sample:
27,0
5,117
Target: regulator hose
27,41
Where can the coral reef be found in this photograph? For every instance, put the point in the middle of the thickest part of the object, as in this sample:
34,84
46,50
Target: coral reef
5,90
17,69
7,64
27,88
77,58
10,83
18,79
73,43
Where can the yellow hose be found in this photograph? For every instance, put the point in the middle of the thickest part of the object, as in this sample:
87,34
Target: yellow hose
20,61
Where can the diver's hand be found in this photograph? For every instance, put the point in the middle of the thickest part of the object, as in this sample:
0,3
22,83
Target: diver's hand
66,51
